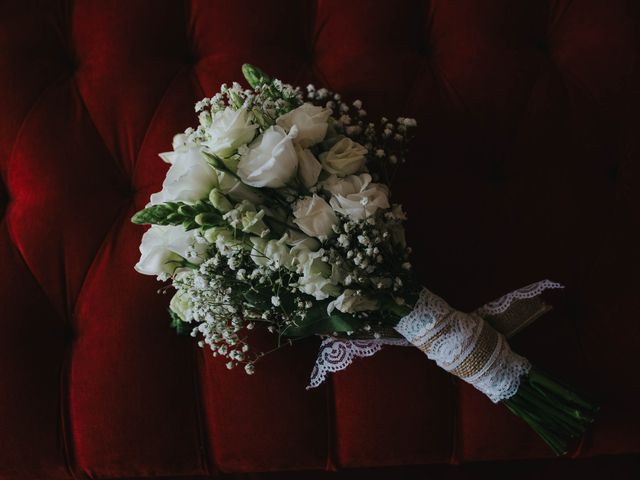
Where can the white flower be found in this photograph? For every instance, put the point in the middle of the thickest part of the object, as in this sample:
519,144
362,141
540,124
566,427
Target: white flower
349,301
181,144
259,245
222,237
314,216
299,239
272,252
344,158
318,286
181,306
271,160
311,122
315,274
245,217
189,179
236,190
229,130
164,248
356,196
279,254
309,167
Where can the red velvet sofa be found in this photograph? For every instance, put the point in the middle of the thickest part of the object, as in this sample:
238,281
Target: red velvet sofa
525,167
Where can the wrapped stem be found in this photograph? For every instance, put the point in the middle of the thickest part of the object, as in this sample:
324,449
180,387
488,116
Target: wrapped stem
557,413
468,347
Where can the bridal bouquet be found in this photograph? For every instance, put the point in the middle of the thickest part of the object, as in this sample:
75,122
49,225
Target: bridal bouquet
276,212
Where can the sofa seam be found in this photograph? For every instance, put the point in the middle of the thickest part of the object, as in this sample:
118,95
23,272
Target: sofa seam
68,452
152,118
205,451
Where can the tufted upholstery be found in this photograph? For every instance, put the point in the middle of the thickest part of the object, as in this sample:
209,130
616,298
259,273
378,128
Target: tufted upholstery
525,167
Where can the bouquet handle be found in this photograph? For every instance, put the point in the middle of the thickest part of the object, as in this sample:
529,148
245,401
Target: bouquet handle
469,347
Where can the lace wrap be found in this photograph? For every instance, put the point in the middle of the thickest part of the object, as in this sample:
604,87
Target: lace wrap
337,354
464,345
431,327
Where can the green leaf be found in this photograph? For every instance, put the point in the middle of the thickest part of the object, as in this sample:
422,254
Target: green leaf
255,298
342,322
219,164
156,215
318,322
179,213
182,328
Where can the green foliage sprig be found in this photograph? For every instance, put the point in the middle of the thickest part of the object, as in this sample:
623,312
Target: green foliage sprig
200,214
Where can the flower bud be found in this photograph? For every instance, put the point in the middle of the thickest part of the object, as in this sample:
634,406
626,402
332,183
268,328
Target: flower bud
186,211
254,75
206,219
219,201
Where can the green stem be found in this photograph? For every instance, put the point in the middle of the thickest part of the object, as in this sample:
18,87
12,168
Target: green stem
545,382
554,411
583,416
547,416
557,445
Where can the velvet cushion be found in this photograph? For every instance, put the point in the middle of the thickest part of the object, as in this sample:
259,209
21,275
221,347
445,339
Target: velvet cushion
524,167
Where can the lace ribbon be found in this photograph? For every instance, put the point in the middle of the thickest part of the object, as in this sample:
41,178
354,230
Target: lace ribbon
464,344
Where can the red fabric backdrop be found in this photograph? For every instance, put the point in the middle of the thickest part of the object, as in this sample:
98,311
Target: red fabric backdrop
525,167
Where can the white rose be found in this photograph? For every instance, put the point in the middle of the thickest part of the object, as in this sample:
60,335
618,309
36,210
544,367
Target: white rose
189,179
308,262
299,239
309,167
349,302
314,216
344,158
318,286
164,248
356,196
181,306
229,130
311,122
271,160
